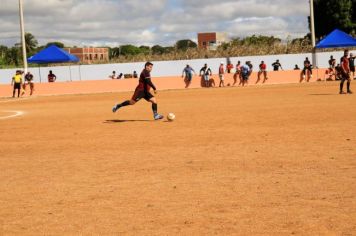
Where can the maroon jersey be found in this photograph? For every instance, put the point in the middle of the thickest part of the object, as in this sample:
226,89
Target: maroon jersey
145,82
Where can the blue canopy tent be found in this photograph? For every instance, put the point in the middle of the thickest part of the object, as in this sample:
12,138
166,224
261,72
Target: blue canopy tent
53,54
337,39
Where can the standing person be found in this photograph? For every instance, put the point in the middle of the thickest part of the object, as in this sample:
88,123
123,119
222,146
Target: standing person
345,72
237,73
332,68
51,77
276,65
17,83
245,73
143,91
307,72
352,65
205,71
263,70
28,81
221,74
188,75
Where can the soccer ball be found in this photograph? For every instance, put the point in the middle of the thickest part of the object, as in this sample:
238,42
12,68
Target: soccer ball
171,116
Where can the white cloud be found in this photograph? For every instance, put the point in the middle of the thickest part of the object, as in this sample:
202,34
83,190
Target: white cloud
139,22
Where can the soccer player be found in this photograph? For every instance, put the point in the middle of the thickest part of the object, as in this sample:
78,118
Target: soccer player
352,65
345,73
28,81
245,73
307,72
143,91
276,65
188,71
205,71
221,74
263,70
17,83
237,73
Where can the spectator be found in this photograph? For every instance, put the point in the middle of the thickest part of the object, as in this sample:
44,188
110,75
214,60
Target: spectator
51,77
120,76
113,75
28,81
205,72
332,62
276,65
188,75
296,67
352,65
17,83
263,70
229,67
135,74
221,74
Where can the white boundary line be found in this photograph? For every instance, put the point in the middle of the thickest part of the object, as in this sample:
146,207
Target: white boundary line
15,99
16,113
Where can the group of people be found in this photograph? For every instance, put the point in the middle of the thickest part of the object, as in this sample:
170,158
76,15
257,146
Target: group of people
21,85
121,76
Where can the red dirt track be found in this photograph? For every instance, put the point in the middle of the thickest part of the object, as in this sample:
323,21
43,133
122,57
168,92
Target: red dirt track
260,160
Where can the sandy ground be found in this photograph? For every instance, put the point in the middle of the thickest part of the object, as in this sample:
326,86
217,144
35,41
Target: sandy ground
262,160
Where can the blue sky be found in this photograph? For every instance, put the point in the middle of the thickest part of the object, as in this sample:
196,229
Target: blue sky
139,22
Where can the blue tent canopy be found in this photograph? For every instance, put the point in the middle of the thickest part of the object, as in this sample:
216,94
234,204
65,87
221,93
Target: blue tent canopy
52,54
337,39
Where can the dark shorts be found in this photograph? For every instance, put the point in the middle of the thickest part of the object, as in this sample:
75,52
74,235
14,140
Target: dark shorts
244,76
189,77
139,94
17,85
352,68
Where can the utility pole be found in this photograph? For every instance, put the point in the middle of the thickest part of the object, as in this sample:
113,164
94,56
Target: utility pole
22,29
312,32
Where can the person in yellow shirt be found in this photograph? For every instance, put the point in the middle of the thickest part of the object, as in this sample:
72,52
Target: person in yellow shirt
17,83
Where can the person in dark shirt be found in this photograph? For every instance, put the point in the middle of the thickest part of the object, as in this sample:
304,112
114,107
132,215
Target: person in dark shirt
352,65
345,72
307,72
205,71
276,65
296,67
51,77
135,74
28,81
143,91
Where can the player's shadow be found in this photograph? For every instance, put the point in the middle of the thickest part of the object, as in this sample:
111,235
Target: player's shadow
123,121
322,94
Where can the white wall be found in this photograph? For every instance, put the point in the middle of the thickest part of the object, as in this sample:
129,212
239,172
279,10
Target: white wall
163,68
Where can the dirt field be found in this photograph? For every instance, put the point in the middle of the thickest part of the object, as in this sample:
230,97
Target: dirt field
263,160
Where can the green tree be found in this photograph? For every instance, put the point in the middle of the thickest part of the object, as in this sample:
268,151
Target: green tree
58,44
30,42
12,56
145,49
332,14
157,50
184,44
129,50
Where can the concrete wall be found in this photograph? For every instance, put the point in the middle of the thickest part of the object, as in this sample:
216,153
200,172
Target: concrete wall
161,68
162,83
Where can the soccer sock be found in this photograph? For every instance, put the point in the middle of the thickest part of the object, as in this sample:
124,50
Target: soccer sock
341,85
348,85
154,108
125,103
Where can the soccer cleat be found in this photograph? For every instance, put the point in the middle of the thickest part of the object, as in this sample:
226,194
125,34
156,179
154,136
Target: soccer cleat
349,92
115,108
342,92
158,117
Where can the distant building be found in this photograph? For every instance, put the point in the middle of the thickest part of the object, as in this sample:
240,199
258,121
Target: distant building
211,41
88,55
